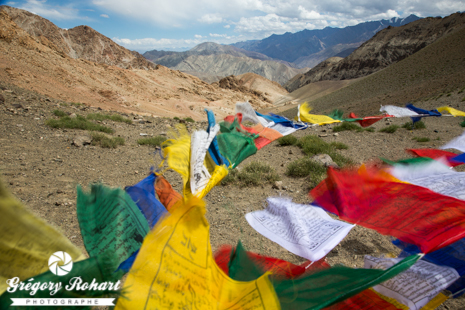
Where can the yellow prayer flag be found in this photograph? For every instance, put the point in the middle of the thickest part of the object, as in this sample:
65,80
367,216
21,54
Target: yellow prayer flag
175,269
178,153
452,111
26,242
305,116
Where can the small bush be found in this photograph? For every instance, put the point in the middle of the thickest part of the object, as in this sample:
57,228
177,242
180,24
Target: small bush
106,142
389,129
153,141
176,118
77,104
421,139
256,173
59,113
369,129
411,126
346,126
113,117
287,140
339,145
189,120
230,178
304,167
78,122
313,145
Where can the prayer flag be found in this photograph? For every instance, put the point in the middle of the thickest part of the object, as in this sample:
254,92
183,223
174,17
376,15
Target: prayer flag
143,194
304,230
305,116
452,111
416,286
411,213
457,143
110,222
175,268
436,154
26,242
166,194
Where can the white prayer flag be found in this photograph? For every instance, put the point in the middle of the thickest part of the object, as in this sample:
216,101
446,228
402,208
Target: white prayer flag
456,143
200,142
433,175
304,230
416,286
397,111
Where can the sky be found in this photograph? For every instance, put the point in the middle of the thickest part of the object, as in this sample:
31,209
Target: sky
178,25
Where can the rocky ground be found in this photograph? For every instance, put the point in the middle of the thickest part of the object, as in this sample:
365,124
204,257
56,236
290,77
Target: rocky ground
42,167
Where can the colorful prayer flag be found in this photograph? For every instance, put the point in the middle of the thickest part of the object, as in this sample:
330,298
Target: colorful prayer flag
175,268
411,213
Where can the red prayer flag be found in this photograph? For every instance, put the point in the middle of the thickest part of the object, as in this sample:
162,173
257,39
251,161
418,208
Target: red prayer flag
277,266
435,154
369,120
411,213
365,300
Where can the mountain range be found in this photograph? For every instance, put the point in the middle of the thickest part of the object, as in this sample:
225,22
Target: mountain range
388,46
278,57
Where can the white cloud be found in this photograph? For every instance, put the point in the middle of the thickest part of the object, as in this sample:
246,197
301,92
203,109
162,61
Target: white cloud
210,19
147,44
104,15
227,26
198,36
216,35
41,8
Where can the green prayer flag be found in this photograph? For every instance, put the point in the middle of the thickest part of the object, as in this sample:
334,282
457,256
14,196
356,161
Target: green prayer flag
98,272
320,289
408,161
110,222
235,146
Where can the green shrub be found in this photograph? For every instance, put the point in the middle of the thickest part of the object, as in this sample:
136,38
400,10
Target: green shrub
106,142
313,145
346,126
417,125
77,122
77,104
230,178
421,139
256,173
339,145
303,167
176,118
389,129
59,113
113,117
189,120
287,140
369,129
463,122
153,141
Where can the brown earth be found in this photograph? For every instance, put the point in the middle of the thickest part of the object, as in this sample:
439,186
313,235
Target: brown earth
42,168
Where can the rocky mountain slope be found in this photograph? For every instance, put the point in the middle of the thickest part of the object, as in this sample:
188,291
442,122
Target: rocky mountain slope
385,48
36,63
208,60
425,76
294,47
80,42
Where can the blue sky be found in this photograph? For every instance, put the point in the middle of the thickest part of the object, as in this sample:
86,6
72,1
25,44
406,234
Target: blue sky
143,25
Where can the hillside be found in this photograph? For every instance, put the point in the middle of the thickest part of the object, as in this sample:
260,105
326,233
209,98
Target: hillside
208,60
385,48
292,47
80,42
35,63
425,76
